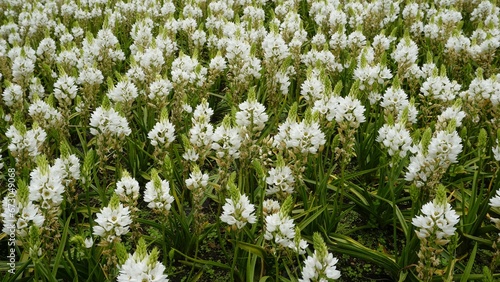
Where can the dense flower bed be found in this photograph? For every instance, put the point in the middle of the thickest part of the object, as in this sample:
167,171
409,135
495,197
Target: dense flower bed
134,134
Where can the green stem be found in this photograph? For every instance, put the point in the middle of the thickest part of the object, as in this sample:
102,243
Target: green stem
393,198
276,265
235,257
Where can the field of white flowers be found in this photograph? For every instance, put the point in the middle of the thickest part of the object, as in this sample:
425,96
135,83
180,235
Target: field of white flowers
249,140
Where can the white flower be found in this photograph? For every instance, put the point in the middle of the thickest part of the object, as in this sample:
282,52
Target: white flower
370,75
396,139
91,76
280,179
226,141
65,88
238,212
22,69
312,88
112,222
496,152
451,113
69,168
307,138
142,266
445,147
127,188
89,242
275,49
23,141
270,206
395,100
160,89
252,113
123,91
46,186
197,179
438,220
346,110
12,94
190,155
109,121
405,53
187,70
281,228
320,269
200,134
495,201
162,134
217,64
45,114
157,194
440,88
18,218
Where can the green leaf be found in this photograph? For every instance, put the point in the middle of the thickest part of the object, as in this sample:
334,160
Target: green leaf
304,223
470,263
203,262
346,245
251,248
62,246
41,269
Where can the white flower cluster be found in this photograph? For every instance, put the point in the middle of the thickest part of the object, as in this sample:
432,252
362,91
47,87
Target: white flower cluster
65,89
105,47
226,141
160,89
69,168
162,134
196,180
440,88
442,151
200,134
124,91
320,269
396,138
25,141
109,122
370,75
280,228
280,179
406,52
305,137
481,89
46,115
90,76
395,101
238,211
187,70
20,216
112,222
13,95
437,222
46,186
157,194
252,115
312,89
346,110
142,266
451,113
127,188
